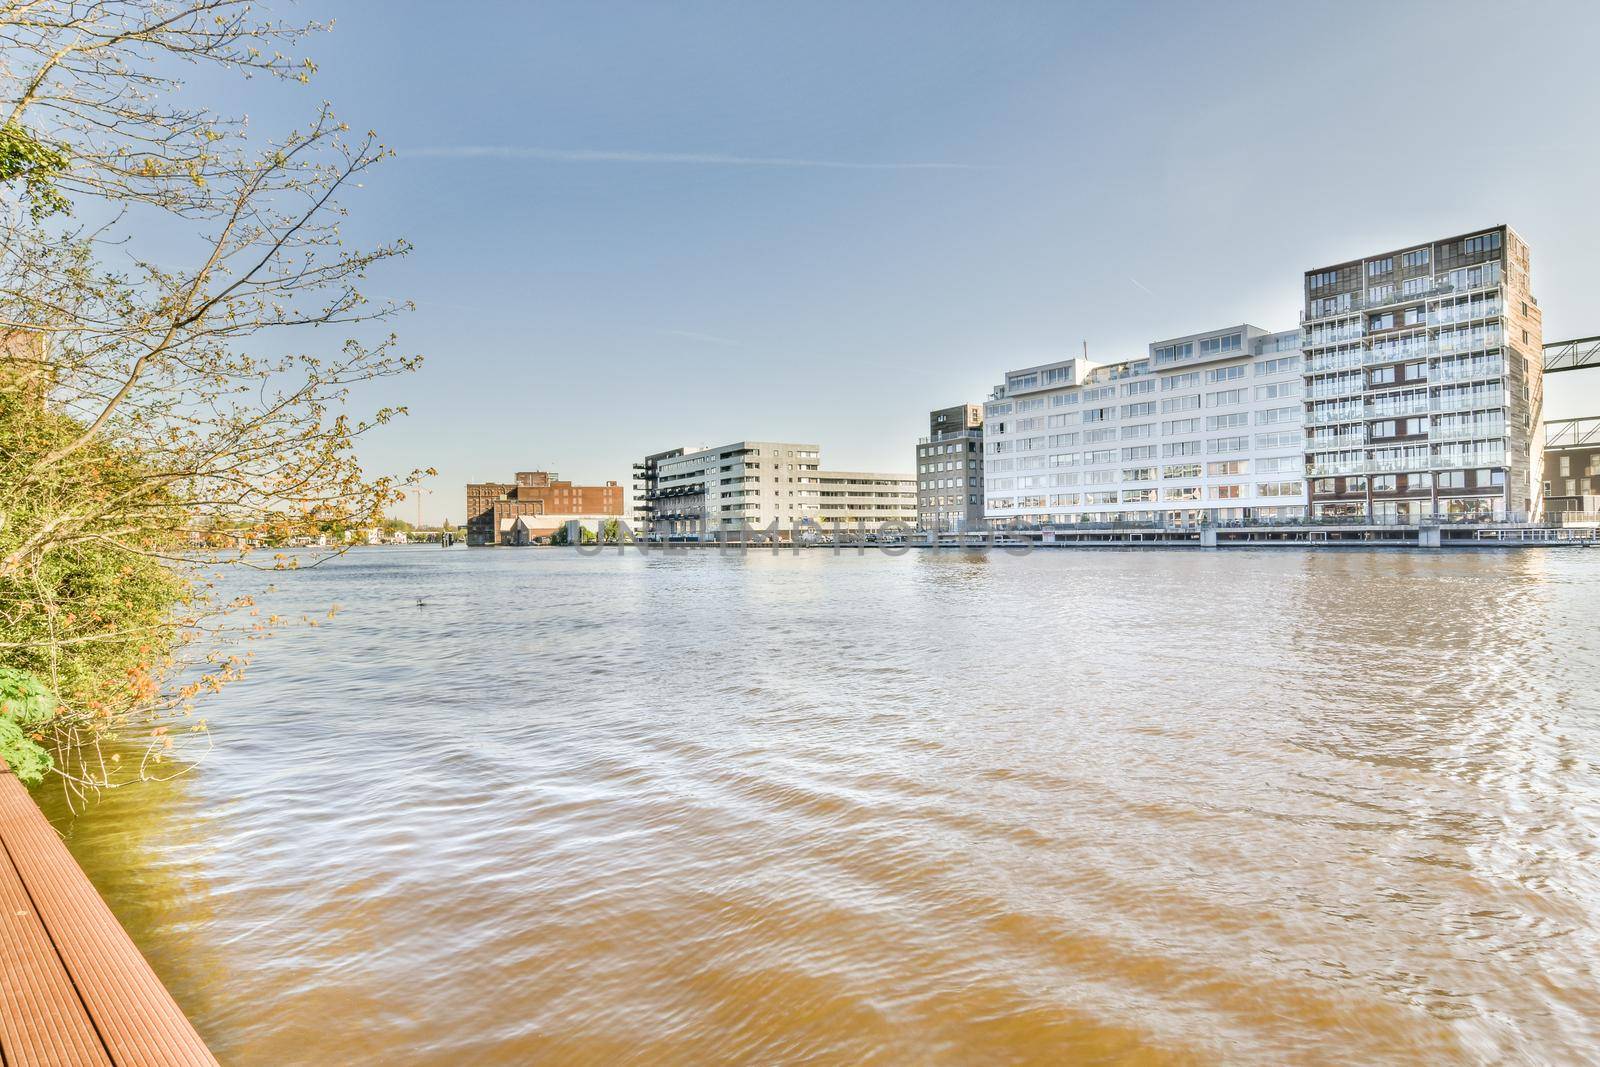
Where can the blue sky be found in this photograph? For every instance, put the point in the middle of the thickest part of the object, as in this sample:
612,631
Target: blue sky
642,225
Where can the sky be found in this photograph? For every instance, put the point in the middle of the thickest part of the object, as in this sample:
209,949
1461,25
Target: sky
638,226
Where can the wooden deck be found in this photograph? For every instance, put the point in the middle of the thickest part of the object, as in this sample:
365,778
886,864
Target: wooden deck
73,987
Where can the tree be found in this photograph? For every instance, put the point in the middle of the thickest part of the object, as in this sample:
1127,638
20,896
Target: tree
169,369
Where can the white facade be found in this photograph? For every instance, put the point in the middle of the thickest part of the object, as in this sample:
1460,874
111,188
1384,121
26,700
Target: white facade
759,485
1207,426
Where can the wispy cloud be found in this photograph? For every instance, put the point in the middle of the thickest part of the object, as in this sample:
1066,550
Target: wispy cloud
710,338
704,159
1140,284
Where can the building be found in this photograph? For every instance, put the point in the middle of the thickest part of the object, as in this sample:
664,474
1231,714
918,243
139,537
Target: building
1424,382
648,498
493,507
1572,446
714,493
950,470
1205,427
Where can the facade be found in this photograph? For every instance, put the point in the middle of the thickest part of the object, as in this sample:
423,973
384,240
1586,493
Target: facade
1205,427
1424,382
648,498
714,493
493,507
950,470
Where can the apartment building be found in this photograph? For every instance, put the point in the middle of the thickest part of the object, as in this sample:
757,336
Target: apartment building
714,493
1205,427
1424,381
950,470
493,507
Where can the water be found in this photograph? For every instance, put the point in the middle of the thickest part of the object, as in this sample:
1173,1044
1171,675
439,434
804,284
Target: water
1077,806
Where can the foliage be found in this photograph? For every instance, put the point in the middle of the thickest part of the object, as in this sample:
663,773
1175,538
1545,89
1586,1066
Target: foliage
37,166
25,705
156,416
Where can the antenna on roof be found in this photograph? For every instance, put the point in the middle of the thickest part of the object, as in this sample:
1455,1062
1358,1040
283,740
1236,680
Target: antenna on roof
1086,348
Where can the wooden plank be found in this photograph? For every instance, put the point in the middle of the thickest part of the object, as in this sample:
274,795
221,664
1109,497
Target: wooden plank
136,1018
42,1020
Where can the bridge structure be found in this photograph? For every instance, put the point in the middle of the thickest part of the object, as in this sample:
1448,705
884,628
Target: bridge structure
1578,354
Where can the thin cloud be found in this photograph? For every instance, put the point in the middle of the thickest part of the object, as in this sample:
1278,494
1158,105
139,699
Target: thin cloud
704,159
1141,285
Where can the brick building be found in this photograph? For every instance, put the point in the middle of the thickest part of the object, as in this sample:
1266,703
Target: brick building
493,507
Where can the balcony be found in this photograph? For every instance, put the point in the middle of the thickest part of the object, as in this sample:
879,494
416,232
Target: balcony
1477,431
1469,401
1341,440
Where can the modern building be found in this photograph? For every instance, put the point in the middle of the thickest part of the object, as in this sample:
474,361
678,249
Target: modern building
714,493
1424,382
493,507
950,470
1205,427
1572,446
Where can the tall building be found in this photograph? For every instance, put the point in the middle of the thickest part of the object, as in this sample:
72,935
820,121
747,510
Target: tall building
493,507
1202,427
713,493
950,470
1424,381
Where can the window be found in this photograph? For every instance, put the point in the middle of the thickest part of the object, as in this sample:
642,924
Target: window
1139,432
1180,403
1382,376
1138,452
1382,322
1226,492
1225,397
1416,286
1414,317
1180,381
1376,267
1181,470
1174,353
1380,294
1280,489
1322,278
1134,411
1278,391
1451,479
1213,345
1138,474
1138,496
1225,374
1174,449
1181,492
1228,422
1282,365
1417,257
1147,385
1180,426
1226,467
1487,242
1227,444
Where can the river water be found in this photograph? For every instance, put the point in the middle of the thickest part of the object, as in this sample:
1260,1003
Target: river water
939,808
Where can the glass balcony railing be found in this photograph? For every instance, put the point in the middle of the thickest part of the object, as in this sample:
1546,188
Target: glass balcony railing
1340,440
1469,399
1472,431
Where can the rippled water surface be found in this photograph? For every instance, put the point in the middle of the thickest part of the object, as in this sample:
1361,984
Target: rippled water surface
1076,806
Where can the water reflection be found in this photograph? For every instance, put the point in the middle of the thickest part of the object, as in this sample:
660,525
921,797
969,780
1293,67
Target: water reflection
1101,806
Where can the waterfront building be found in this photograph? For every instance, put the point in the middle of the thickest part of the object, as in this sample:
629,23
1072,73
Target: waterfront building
713,493
1572,446
1424,381
493,507
1205,427
950,470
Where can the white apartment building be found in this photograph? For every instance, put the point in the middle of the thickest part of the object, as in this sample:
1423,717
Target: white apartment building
712,493
1207,426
